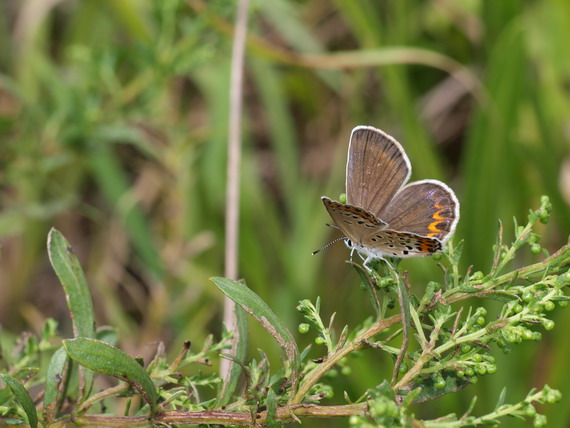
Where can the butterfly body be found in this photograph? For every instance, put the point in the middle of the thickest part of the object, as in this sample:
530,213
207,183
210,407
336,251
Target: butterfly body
384,216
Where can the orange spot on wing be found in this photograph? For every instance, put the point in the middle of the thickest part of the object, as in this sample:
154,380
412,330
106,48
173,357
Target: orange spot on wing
433,226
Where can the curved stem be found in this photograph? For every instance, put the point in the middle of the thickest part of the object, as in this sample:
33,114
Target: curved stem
358,343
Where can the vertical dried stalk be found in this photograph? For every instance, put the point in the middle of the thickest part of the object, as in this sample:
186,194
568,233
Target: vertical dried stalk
233,171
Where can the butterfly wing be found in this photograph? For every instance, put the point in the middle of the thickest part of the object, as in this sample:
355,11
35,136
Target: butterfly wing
353,222
392,243
376,169
428,208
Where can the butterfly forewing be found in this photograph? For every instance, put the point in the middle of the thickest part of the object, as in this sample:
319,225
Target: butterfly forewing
427,208
354,222
376,169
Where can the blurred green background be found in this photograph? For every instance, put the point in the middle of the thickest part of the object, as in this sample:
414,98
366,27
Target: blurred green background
113,128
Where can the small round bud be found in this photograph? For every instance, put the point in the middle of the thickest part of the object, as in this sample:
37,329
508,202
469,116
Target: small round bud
465,348
537,335
481,369
526,296
440,383
477,358
491,369
460,373
530,411
517,308
544,217
342,198
303,328
535,248
480,321
528,335
549,305
548,324
319,340
539,421
469,371
563,303
473,379
553,396
346,370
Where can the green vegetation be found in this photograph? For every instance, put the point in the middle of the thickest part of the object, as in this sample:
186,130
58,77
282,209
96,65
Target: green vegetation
113,128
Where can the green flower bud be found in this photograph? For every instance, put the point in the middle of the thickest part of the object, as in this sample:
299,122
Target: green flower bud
539,421
517,308
548,324
526,296
440,383
535,248
469,371
465,348
473,380
477,358
563,303
491,369
530,411
460,373
480,321
481,369
342,198
549,305
303,328
320,340
528,335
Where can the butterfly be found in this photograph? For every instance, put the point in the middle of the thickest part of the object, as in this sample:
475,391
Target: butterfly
383,216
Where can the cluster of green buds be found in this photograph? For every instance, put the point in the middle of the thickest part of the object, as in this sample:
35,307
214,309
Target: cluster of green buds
313,319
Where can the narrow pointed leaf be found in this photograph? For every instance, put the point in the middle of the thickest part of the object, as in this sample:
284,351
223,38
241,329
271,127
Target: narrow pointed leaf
54,379
258,309
23,398
104,358
79,303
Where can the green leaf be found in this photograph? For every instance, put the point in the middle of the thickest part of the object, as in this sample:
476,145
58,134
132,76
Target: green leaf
239,351
258,309
501,400
23,398
104,358
76,290
54,378
72,279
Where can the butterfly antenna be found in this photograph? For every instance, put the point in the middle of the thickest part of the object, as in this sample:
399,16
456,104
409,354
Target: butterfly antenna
327,245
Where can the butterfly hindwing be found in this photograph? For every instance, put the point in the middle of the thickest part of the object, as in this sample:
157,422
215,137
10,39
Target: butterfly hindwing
393,243
427,208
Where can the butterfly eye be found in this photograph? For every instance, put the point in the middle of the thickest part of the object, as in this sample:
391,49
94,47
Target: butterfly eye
348,243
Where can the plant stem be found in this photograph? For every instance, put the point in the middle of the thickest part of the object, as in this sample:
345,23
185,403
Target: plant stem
233,168
358,343
221,417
